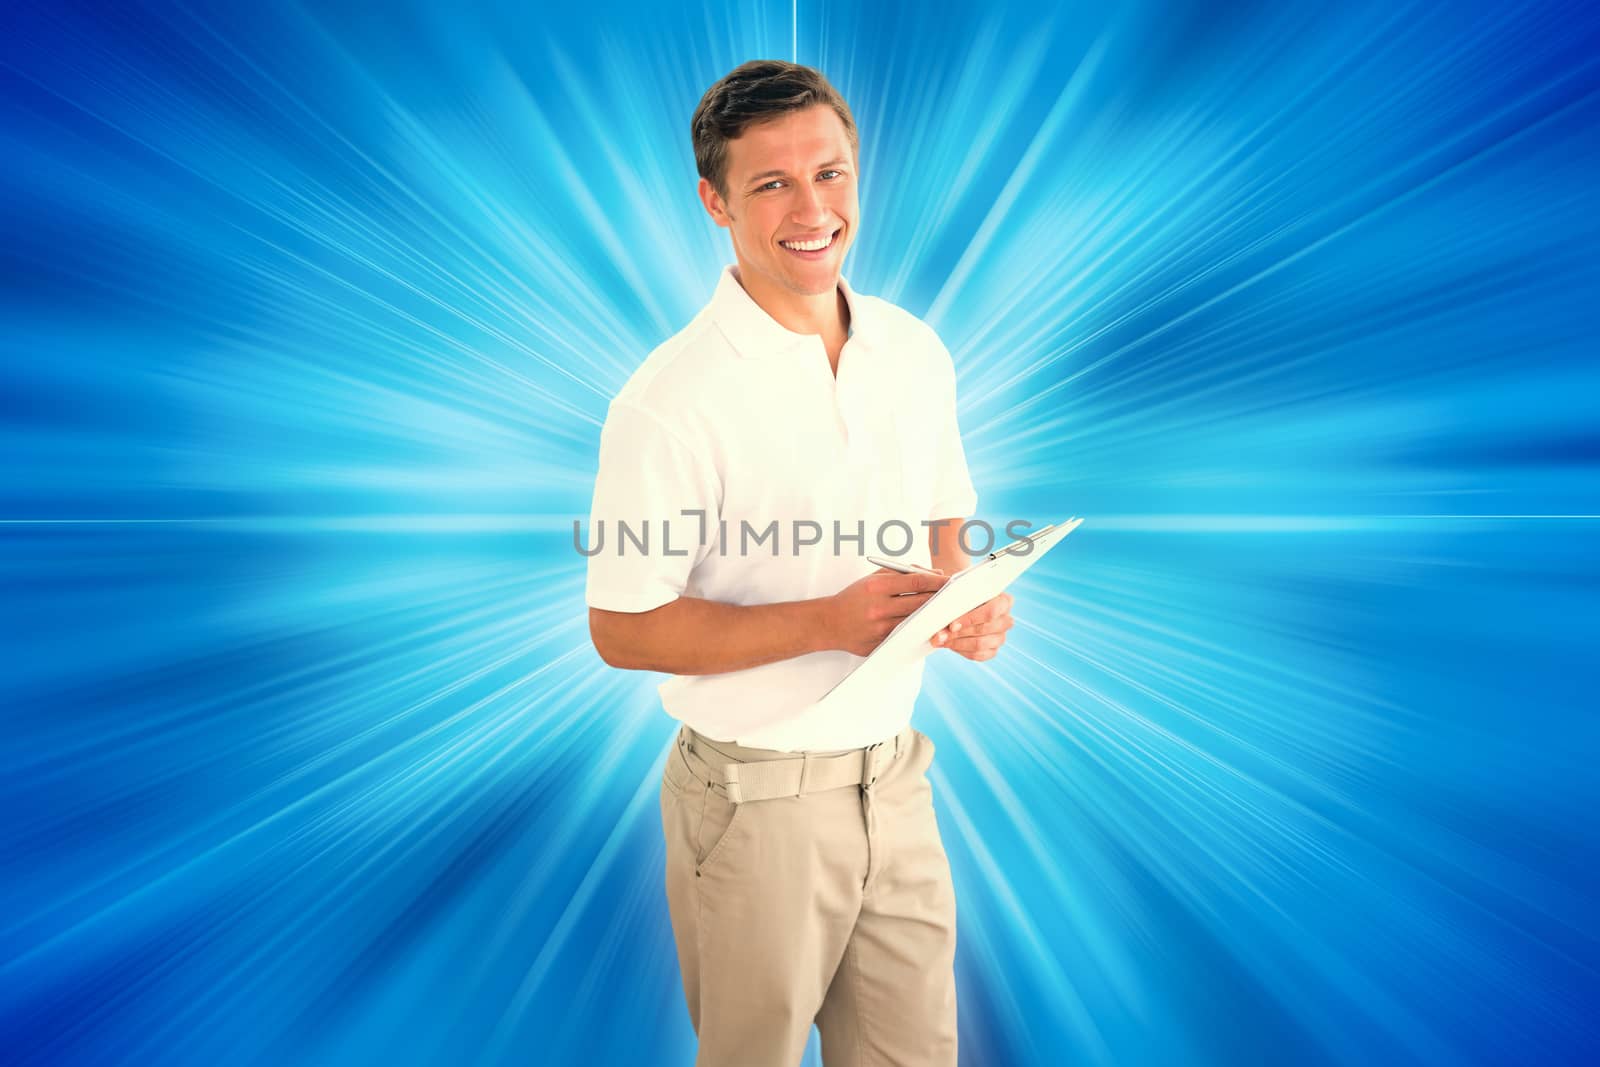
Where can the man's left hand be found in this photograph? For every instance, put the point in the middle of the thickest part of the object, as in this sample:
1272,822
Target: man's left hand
979,633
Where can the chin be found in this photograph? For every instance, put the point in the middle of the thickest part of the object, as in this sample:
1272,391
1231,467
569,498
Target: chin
818,284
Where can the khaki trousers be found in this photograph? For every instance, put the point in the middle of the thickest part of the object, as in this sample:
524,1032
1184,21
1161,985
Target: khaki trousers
833,906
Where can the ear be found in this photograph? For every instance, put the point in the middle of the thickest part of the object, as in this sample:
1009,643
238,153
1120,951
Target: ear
713,204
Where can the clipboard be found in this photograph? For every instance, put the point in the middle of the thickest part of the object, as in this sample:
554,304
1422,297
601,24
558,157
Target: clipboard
907,643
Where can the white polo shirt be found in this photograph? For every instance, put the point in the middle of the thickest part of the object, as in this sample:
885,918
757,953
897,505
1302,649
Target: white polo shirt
741,419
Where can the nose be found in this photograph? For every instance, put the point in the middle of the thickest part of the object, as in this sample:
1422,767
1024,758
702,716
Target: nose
808,209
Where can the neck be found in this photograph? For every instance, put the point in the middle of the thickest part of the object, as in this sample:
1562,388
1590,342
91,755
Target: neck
825,314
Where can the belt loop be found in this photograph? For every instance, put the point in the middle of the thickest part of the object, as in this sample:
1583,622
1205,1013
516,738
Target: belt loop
869,767
805,766
730,774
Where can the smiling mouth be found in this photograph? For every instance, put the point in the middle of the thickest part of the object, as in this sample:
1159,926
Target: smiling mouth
812,247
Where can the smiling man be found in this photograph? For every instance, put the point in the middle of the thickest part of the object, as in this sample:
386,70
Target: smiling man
792,427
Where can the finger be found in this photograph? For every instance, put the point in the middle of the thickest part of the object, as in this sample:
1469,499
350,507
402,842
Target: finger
965,640
917,582
971,622
976,617
893,583
982,643
991,609
998,624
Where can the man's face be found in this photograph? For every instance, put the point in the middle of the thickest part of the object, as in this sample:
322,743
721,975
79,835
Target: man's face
790,179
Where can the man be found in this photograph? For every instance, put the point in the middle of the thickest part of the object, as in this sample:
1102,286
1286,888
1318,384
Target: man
794,426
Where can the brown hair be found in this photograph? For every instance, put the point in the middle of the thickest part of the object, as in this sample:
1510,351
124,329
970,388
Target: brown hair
754,92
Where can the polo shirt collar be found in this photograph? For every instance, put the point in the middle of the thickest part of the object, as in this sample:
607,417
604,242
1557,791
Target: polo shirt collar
754,333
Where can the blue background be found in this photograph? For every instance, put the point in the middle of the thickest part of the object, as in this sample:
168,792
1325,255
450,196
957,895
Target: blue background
311,315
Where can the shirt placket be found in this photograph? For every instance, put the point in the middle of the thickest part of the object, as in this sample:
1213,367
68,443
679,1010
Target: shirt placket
850,409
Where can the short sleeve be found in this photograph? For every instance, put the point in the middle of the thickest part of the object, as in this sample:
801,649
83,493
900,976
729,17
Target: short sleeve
643,545
953,492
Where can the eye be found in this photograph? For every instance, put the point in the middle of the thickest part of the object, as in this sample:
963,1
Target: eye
840,173
774,182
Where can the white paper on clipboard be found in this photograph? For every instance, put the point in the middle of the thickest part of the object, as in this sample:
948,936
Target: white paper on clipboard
908,642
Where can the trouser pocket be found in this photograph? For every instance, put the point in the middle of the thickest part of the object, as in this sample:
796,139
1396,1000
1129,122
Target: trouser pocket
697,815
717,826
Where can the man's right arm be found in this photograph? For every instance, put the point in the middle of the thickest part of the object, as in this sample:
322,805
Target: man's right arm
695,636
690,635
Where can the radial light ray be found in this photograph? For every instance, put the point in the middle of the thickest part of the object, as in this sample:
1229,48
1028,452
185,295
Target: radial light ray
312,314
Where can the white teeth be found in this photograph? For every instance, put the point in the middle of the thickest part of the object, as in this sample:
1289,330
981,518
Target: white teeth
808,246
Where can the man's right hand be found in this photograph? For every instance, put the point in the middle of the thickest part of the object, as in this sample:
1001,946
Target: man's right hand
863,612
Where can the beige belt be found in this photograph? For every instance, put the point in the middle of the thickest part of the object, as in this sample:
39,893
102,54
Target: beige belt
768,779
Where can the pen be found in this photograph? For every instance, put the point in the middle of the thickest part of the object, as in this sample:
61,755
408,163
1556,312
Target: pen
1023,545
903,568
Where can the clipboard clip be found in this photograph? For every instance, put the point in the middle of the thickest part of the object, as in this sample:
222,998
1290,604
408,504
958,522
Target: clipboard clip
1023,545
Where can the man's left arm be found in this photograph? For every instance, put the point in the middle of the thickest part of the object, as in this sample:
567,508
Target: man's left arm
979,633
